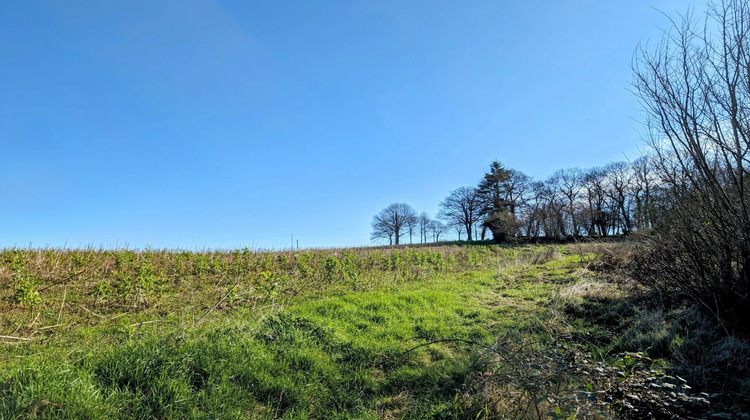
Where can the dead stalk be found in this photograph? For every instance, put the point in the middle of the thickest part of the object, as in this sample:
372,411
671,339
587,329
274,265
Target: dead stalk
59,314
217,303
10,337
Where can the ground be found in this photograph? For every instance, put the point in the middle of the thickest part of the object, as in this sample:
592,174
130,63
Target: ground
434,332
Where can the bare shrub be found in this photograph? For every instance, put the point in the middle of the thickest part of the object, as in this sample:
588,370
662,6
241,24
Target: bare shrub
695,88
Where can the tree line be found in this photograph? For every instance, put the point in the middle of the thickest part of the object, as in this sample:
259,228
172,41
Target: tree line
617,198
400,219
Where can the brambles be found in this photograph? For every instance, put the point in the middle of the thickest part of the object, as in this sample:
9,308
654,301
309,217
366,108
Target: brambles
232,296
26,292
125,285
147,282
25,282
102,290
266,284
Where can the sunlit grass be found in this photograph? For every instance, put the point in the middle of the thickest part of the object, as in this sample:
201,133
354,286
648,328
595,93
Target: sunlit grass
343,355
365,334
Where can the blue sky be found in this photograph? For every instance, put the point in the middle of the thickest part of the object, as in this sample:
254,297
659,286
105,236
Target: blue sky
222,124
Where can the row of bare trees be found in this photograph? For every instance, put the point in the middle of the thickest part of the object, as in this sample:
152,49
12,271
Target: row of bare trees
614,199
617,198
400,219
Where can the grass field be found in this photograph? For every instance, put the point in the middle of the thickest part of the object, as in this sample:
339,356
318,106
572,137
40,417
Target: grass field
434,332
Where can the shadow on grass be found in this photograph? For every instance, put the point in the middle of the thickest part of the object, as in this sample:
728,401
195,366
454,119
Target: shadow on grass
610,322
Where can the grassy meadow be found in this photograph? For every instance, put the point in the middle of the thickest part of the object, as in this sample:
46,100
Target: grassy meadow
424,332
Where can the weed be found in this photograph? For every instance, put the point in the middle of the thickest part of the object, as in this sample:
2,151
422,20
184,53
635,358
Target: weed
26,292
102,290
26,284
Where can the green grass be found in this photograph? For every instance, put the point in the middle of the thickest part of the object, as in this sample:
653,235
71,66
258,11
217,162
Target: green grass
341,353
457,332
56,289
341,356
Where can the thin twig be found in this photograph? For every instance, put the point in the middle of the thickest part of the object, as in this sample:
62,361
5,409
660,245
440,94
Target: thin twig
10,337
70,277
217,303
59,314
140,324
90,311
143,322
276,413
448,340
35,319
51,326
118,316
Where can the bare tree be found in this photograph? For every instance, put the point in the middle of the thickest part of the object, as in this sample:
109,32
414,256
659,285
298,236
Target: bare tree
553,210
518,186
619,190
462,207
645,186
411,225
391,221
424,226
597,208
532,209
695,89
459,228
568,182
437,229
381,230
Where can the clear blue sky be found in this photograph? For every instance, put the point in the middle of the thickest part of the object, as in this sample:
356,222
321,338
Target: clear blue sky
222,124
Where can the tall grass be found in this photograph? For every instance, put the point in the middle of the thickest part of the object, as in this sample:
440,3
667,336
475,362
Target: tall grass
343,354
43,290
